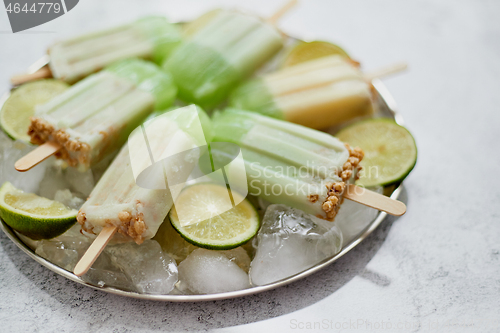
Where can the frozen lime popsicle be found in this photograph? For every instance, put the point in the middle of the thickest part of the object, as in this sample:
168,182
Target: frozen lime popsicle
151,38
287,163
318,93
118,200
223,52
95,116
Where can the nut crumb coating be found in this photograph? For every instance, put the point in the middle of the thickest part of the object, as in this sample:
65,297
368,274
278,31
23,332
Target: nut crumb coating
130,226
334,199
73,152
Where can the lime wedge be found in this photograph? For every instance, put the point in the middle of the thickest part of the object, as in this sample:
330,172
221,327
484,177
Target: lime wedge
226,231
34,216
390,150
20,106
306,51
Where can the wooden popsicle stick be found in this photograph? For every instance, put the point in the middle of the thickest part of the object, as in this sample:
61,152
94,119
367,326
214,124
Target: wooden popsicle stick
374,200
94,250
273,20
36,156
386,71
42,73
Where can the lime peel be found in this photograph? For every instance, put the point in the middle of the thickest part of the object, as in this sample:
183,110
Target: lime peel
224,231
34,216
390,150
20,106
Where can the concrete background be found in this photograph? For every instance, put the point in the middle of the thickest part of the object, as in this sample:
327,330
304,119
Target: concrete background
435,269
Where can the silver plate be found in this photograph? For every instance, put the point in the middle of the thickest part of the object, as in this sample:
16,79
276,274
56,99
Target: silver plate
386,108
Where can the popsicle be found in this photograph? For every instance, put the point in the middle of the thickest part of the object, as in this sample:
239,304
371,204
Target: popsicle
221,54
95,116
290,164
318,93
120,198
152,38
163,152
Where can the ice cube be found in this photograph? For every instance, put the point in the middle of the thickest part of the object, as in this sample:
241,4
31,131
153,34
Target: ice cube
58,254
150,269
10,152
64,250
172,243
104,273
353,217
32,244
5,141
72,234
53,181
291,241
81,182
178,248
209,272
239,256
68,199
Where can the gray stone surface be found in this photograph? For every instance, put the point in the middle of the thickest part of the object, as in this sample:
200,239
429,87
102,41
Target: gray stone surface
435,269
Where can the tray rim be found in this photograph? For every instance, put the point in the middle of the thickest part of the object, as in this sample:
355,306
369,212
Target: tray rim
384,96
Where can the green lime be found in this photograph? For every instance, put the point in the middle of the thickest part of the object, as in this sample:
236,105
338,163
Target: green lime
20,106
223,231
306,51
34,216
390,150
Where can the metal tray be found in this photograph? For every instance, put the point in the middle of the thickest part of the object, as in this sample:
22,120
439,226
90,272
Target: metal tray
386,108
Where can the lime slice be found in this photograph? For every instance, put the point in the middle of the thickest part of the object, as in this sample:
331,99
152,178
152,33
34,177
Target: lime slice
20,106
390,150
306,51
226,231
34,216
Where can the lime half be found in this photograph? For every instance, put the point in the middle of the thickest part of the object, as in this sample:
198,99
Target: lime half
306,51
222,231
390,150
20,106
34,216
